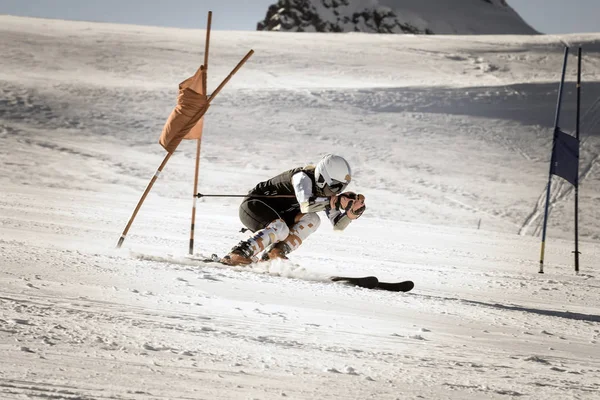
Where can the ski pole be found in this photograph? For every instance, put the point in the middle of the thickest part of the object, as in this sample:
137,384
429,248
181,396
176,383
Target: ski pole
200,195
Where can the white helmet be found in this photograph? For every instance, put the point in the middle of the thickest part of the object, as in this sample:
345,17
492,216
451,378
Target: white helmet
332,174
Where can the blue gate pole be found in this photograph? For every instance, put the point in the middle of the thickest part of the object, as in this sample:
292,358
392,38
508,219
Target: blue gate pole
556,120
577,180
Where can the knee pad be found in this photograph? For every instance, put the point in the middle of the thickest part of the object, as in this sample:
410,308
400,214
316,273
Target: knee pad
309,223
275,232
312,221
279,229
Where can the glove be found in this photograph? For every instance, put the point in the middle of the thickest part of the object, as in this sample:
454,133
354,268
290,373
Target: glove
357,207
342,201
352,203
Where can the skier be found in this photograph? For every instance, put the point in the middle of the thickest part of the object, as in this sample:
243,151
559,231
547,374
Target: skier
281,223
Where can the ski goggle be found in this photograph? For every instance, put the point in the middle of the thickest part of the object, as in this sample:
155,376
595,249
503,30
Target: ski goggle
335,186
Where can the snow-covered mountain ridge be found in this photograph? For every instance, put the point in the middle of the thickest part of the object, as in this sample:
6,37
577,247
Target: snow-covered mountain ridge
395,16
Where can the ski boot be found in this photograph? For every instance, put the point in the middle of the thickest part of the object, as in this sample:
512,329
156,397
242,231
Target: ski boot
279,250
240,254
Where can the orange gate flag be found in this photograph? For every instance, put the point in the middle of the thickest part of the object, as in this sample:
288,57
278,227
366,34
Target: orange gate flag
185,121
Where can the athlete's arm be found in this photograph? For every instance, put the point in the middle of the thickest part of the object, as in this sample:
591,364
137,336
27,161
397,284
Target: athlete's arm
309,203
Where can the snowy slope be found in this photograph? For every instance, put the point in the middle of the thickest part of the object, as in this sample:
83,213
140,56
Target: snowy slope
444,133
459,17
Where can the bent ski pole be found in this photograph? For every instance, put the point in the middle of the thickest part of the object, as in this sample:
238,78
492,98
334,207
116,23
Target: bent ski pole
200,195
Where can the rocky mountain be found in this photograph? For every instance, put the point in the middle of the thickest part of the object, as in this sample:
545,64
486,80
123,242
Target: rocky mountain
459,17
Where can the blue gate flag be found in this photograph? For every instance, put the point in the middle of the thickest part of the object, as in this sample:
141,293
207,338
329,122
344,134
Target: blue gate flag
566,157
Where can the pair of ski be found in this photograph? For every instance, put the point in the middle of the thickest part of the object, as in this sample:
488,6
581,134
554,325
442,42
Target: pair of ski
367,282
371,282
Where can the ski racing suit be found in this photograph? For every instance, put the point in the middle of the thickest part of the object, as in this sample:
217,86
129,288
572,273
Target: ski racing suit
292,218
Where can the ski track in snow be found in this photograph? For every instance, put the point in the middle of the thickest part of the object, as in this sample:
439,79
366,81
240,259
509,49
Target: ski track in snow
443,133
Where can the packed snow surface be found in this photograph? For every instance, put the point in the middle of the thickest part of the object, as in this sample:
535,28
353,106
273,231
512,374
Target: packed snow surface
449,138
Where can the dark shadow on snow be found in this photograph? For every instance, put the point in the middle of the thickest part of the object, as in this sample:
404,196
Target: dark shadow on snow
550,313
528,104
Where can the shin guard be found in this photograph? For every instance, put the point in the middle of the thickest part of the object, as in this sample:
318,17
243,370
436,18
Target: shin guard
308,224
